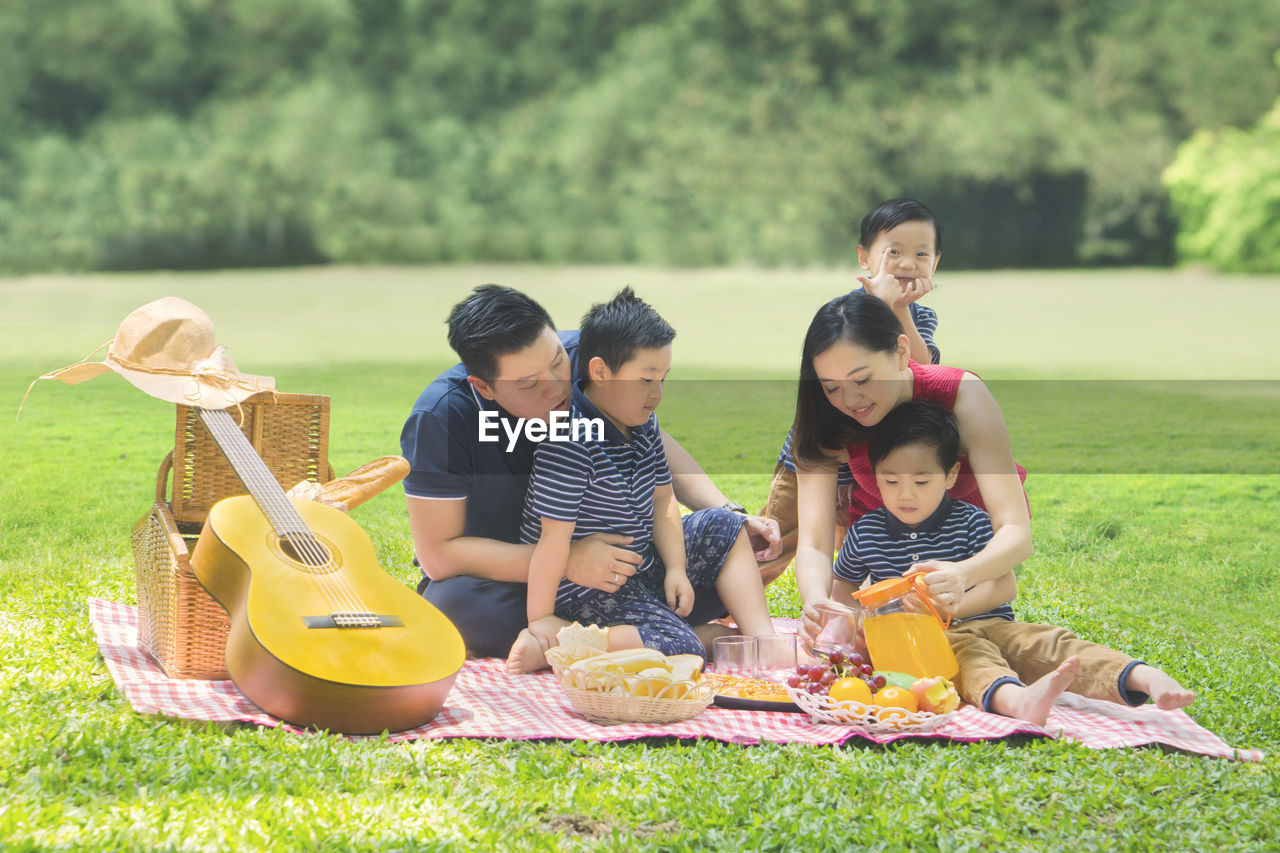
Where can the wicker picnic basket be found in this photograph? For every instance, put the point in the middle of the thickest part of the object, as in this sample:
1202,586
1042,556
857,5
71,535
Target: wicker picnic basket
611,699
180,625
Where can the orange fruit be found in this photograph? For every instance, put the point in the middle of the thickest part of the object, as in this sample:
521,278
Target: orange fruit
890,715
850,689
895,697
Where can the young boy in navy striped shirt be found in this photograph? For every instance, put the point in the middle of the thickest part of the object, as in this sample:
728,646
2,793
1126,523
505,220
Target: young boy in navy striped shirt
914,452
617,481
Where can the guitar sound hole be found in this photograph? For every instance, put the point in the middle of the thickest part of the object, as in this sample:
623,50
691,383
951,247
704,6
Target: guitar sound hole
305,550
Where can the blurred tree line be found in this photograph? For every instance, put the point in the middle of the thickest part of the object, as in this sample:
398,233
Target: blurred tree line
202,133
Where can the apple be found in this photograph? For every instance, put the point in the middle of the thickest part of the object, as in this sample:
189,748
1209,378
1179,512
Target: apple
936,695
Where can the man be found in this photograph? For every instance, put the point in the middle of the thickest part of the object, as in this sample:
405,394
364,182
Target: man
470,440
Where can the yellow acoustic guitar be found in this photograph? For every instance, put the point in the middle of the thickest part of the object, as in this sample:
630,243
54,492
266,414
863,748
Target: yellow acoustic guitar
320,634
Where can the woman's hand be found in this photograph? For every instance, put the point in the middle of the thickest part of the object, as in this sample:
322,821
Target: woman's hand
945,580
811,622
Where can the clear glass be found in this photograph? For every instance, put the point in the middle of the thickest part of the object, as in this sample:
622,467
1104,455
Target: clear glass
735,655
776,655
839,630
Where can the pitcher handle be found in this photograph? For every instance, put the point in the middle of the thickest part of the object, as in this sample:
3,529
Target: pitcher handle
922,589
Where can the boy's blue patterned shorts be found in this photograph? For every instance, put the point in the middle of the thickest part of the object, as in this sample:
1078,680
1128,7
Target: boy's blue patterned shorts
708,536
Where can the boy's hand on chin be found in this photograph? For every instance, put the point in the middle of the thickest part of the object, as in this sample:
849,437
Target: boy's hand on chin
913,291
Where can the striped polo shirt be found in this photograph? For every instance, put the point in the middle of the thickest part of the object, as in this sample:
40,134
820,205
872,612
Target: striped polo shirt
879,546
602,486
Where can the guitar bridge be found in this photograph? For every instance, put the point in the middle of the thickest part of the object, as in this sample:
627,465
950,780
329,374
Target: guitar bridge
353,619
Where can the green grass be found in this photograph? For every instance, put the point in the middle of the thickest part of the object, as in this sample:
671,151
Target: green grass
1153,511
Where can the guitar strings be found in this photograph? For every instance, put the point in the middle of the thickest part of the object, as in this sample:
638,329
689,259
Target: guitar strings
289,526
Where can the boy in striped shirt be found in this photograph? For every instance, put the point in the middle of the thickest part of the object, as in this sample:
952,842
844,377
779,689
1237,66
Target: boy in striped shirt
617,481
914,452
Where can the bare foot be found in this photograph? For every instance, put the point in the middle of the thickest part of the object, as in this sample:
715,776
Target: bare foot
1163,690
527,654
1032,702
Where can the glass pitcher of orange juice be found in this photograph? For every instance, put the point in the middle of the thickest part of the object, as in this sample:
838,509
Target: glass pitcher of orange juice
904,630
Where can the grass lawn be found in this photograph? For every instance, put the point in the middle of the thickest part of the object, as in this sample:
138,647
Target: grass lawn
1144,404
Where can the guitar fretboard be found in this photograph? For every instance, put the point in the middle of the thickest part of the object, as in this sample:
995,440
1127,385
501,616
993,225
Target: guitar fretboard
256,476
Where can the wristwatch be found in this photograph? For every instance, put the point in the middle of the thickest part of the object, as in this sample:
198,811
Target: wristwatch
734,507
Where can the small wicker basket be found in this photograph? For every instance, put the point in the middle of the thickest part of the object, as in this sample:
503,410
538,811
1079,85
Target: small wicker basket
181,626
611,699
563,657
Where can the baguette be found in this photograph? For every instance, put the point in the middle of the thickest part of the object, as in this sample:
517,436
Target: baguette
365,482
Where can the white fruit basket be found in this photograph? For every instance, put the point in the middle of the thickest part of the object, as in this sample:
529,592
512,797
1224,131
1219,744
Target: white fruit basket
871,719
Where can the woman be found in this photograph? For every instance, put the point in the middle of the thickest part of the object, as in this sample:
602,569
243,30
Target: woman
854,369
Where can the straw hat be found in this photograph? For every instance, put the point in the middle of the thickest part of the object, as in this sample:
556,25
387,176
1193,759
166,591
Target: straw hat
166,349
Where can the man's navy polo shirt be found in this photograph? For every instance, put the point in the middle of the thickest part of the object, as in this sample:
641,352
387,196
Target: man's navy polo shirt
882,547
441,440
602,486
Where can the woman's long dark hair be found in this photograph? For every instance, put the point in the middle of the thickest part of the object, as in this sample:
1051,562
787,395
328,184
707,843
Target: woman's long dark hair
820,428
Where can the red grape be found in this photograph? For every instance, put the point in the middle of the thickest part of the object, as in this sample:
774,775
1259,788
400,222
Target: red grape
877,682
795,681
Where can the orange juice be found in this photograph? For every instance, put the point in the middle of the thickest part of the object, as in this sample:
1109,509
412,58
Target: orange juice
909,642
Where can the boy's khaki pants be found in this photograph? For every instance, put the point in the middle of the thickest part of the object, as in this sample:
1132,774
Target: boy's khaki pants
991,649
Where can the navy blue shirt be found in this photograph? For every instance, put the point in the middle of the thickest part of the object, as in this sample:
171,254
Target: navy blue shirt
603,486
441,440
880,546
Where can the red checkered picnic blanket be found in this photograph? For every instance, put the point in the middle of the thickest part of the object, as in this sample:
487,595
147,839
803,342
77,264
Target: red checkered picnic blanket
486,702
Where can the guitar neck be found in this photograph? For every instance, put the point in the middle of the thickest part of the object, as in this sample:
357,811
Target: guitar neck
254,473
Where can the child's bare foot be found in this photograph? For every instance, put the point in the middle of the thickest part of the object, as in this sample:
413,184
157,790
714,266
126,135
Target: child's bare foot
1032,702
1163,690
527,654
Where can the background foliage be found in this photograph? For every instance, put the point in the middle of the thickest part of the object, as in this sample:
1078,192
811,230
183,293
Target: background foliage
1225,188
204,133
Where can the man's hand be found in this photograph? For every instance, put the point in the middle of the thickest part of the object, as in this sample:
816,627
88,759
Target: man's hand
764,536
679,592
946,582
599,562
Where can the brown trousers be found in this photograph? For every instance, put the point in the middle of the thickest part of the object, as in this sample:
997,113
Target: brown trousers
991,649
781,507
